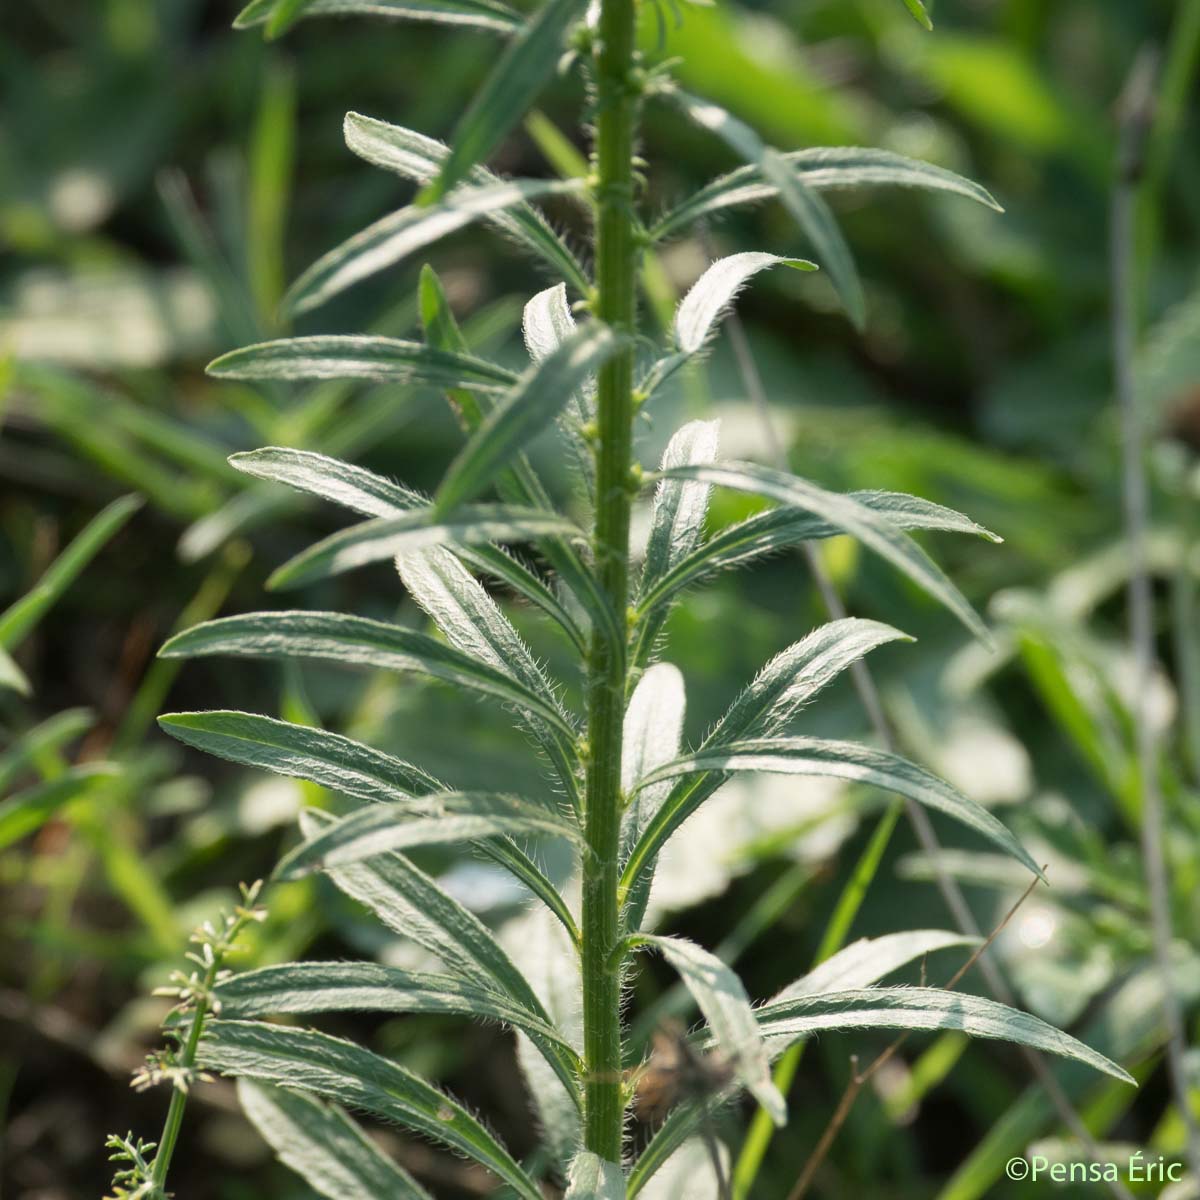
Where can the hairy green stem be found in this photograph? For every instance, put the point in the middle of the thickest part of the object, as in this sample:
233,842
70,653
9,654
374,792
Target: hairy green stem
615,303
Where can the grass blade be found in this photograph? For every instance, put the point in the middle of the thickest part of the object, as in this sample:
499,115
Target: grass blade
29,810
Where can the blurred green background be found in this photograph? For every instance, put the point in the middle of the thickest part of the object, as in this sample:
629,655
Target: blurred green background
162,178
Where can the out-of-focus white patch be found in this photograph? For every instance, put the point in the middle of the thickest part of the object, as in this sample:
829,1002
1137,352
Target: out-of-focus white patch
1159,697
710,848
985,762
80,199
482,888
688,1174
269,803
1036,928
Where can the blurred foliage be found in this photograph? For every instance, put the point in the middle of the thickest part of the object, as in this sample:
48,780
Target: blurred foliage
161,179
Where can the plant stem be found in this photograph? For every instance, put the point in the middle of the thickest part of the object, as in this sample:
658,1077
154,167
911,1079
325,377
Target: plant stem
615,303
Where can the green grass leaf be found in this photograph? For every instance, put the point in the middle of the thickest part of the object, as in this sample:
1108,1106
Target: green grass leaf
825,168
11,675
852,762
524,412
416,530
478,14
920,15
515,82
43,740
301,752
416,157
864,523
20,618
444,819
300,989
396,236
922,1008
349,1075
337,637
323,1145
381,359
722,999
29,810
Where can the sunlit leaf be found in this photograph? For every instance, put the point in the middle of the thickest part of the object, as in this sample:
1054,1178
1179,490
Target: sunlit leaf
480,14
323,1145
593,1178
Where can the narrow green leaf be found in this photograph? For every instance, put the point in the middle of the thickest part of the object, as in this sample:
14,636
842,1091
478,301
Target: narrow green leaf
864,523
515,82
30,809
323,1145
444,819
821,169
868,960
715,290
338,637
330,479
11,675
385,360
44,739
783,686
594,1178
918,11
19,619
480,14
349,1075
317,987
386,537
522,868
722,999
852,762
419,158
778,528
301,752
922,1008
400,234
412,904
524,412
809,211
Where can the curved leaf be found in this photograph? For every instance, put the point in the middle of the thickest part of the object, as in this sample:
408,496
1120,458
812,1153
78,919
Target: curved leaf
323,1145
414,156
387,360
514,83
869,526
480,14
652,733
386,537
434,821
719,995
348,1074
852,762
320,987
30,809
43,739
821,169
922,1008
778,528
301,752
394,237
524,412
338,637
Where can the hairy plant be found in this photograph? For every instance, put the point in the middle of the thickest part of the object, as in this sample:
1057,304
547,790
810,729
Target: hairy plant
620,782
